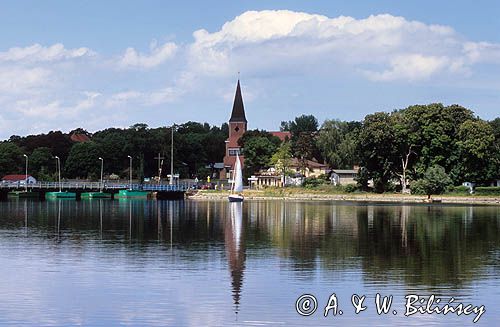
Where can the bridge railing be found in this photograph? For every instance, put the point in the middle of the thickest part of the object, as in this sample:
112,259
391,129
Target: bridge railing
182,186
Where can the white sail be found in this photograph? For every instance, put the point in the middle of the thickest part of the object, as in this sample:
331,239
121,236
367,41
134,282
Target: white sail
238,176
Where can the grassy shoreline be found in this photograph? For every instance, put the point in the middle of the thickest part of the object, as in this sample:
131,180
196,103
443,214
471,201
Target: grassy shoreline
312,194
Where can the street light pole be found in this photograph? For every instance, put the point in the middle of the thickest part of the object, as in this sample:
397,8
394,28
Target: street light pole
102,171
26,175
172,156
59,172
130,172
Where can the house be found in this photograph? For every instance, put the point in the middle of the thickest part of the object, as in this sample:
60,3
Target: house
343,176
312,168
20,179
282,135
271,178
495,183
216,169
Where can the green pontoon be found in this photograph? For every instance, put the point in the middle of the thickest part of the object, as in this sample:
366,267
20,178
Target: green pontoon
136,194
23,194
60,195
96,195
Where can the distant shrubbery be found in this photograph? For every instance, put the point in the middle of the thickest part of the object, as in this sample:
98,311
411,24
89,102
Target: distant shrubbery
313,182
489,190
458,190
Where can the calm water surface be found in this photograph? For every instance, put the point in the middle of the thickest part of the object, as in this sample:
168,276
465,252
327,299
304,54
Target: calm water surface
210,263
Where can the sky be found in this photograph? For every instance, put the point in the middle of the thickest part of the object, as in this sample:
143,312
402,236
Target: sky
99,64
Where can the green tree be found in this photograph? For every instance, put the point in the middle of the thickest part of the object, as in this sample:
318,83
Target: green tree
435,181
476,150
41,162
11,159
258,152
337,142
83,161
282,159
376,148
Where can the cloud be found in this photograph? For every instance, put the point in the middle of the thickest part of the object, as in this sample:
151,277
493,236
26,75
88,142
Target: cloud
411,67
39,53
149,98
45,86
381,47
159,54
20,80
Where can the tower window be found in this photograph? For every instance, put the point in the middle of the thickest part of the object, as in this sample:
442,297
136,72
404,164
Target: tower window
237,129
234,151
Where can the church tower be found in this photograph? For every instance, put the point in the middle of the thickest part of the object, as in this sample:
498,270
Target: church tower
237,127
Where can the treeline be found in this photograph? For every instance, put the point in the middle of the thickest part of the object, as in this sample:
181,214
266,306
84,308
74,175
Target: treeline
196,146
433,144
424,143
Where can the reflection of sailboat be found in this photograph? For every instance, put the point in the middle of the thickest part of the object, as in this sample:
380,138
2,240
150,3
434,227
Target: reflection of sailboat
235,249
237,186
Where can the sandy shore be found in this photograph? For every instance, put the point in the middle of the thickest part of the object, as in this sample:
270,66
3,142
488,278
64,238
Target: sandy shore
365,197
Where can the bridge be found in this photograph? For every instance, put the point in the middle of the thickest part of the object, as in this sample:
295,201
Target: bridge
162,190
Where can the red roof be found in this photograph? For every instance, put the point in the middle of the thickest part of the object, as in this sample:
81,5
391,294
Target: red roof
79,138
15,178
282,135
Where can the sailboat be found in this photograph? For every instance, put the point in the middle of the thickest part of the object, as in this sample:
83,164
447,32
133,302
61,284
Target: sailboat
237,187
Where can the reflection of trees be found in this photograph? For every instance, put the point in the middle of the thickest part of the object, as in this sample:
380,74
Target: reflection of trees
427,245
421,245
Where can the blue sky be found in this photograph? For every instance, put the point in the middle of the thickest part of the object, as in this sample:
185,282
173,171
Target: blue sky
96,64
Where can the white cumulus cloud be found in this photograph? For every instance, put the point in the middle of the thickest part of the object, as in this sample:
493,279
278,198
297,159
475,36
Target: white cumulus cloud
158,55
382,47
39,53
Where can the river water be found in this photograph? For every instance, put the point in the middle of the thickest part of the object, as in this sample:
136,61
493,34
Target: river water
211,263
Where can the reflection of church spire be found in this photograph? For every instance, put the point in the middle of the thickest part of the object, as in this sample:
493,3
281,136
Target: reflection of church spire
235,250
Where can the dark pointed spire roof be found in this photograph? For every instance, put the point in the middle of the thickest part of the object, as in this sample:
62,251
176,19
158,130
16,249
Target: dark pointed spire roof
238,114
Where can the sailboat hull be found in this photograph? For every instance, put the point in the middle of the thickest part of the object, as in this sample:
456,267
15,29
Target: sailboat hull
235,198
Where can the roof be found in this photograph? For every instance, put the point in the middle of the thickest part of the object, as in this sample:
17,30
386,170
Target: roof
238,113
309,163
344,171
79,138
282,135
15,178
217,165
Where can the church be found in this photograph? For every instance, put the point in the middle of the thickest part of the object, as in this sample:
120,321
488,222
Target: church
237,127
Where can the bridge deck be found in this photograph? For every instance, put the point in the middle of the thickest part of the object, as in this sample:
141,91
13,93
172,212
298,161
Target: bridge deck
96,186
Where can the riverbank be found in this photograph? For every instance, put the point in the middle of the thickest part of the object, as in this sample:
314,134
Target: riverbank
308,194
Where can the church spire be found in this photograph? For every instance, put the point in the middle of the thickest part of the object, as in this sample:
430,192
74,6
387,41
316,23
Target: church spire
238,113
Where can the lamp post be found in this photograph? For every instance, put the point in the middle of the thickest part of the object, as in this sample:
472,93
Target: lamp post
130,178
102,172
59,172
26,174
172,155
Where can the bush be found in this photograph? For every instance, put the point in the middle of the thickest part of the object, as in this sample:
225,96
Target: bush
312,182
487,190
419,187
458,190
435,181
350,188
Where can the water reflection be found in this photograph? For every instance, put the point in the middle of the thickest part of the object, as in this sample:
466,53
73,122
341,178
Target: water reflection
235,248
259,252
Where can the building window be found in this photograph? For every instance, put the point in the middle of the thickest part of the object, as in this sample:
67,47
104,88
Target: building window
234,151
